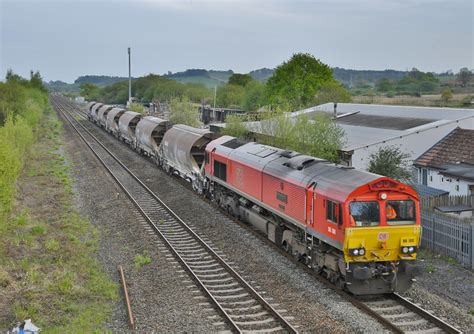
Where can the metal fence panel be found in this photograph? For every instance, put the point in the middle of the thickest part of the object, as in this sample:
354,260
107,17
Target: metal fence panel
448,236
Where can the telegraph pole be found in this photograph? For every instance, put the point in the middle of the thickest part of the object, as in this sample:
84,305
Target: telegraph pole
129,78
215,96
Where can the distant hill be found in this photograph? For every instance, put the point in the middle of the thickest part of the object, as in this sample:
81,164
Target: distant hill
212,78
348,77
262,74
99,80
61,86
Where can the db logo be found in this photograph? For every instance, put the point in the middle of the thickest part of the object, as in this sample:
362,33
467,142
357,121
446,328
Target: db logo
383,236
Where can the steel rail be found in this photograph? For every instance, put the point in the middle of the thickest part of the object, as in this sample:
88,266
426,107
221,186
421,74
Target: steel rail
425,314
286,325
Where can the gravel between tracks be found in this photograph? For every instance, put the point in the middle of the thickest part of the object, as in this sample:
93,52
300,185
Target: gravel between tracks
314,307
159,297
447,289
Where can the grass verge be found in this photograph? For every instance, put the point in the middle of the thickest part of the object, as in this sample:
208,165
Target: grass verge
48,255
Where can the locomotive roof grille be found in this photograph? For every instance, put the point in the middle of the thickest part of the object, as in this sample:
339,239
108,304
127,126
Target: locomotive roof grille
234,143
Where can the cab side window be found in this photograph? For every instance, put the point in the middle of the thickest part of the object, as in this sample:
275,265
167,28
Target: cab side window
333,212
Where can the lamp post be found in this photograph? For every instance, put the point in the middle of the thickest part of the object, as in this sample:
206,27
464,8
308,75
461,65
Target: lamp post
129,77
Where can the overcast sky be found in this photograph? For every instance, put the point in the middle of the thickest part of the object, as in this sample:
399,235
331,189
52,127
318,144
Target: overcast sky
66,39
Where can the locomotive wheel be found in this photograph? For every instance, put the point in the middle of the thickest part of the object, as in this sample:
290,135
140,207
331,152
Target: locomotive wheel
286,247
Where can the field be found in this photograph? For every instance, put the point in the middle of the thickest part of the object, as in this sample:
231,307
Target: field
432,100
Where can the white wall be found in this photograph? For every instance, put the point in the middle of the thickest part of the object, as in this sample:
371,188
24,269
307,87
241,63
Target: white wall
448,183
415,144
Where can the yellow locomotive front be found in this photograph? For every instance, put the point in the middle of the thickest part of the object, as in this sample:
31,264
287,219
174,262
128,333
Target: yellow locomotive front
381,238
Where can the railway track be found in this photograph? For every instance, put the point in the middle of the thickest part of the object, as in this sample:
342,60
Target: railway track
403,316
240,305
395,312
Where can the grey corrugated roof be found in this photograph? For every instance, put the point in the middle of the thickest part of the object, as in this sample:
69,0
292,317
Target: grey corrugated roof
425,191
461,170
383,122
454,208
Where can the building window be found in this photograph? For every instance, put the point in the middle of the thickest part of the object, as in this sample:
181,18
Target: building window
282,197
457,187
424,176
220,170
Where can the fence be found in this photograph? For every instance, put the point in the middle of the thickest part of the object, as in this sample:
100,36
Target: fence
449,236
431,202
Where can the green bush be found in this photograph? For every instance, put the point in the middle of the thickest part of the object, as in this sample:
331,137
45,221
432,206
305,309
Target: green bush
22,104
141,259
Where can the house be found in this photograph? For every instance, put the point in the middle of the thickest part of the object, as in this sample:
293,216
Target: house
449,164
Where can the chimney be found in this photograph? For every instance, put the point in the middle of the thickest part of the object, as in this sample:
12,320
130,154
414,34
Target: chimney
335,110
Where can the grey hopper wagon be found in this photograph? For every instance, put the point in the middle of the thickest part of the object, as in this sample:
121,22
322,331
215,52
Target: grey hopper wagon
149,134
102,115
127,124
112,123
182,152
95,108
89,107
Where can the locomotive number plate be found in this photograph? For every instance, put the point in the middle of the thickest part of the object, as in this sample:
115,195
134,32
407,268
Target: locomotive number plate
382,236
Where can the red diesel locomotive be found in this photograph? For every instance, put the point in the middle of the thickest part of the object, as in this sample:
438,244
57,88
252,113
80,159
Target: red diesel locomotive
360,229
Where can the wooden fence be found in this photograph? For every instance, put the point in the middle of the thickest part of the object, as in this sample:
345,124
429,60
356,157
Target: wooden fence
431,202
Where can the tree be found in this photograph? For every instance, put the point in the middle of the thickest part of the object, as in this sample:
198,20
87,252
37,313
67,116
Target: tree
240,79
184,112
319,137
464,76
89,91
36,81
390,161
297,80
234,126
230,96
332,91
384,85
446,95
137,107
254,96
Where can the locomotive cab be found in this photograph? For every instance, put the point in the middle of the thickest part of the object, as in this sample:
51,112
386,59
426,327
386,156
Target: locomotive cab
382,236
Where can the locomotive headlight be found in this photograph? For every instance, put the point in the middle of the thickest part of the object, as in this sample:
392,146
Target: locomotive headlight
357,251
408,249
